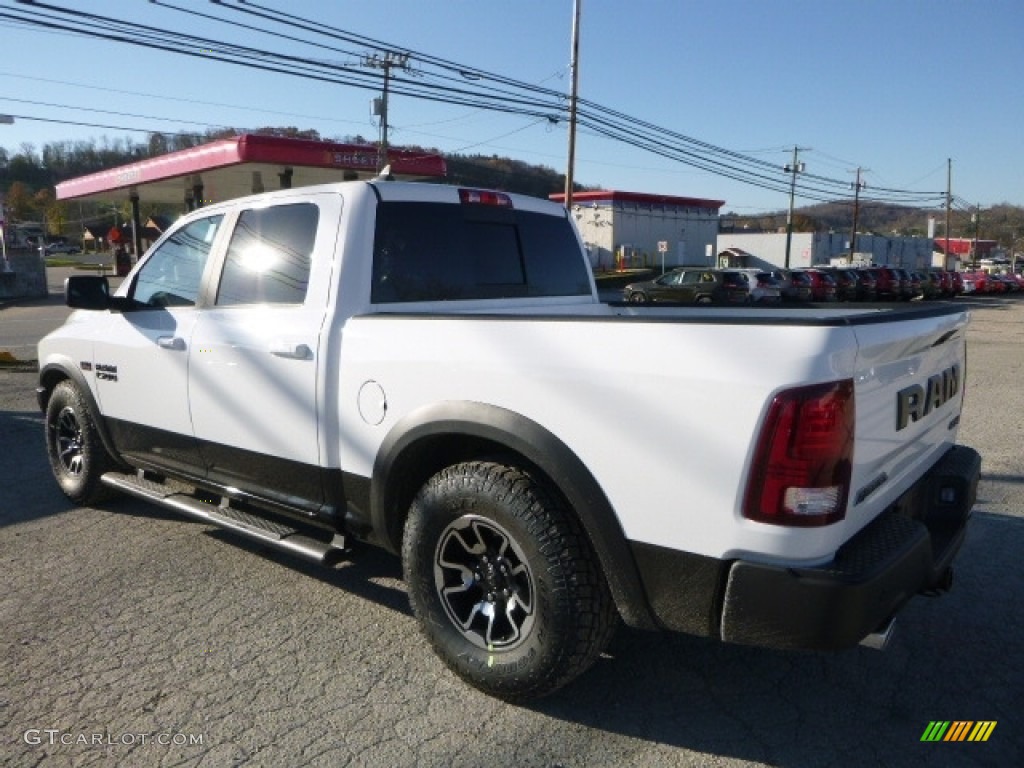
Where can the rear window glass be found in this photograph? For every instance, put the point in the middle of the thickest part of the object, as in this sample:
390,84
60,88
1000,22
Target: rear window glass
443,252
269,258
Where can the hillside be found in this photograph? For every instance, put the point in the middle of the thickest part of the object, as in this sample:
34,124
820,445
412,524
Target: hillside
1004,222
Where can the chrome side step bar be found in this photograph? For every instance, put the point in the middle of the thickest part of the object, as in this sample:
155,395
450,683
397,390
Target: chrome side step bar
879,639
172,496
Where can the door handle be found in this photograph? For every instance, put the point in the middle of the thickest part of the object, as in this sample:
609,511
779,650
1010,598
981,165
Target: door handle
290,349
171,342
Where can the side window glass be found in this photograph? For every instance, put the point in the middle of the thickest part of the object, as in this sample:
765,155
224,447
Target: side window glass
171,275
269,257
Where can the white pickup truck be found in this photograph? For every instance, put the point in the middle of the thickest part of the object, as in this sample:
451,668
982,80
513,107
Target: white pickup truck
429,369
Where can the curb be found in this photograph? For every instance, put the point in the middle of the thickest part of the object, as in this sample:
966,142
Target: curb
8,362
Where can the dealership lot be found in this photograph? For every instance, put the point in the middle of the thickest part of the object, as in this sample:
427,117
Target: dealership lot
133,638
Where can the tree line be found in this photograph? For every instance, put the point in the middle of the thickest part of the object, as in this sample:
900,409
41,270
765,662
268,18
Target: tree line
1003,223
28,177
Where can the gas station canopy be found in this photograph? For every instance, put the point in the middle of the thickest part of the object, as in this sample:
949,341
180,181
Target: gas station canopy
244,165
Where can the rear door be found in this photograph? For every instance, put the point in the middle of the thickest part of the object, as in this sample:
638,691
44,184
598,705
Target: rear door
256,358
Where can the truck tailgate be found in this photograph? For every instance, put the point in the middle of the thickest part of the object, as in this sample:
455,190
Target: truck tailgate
909,391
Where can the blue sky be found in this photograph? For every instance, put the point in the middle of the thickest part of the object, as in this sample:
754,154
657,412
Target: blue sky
893,86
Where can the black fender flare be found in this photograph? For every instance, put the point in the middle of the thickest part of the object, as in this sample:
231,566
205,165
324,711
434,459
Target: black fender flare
504,429
52,374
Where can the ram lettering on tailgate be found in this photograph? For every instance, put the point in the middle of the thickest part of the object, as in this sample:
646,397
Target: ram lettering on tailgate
915,401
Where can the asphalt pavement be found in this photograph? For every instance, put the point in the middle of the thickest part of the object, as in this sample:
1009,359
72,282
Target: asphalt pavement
24,321
132,638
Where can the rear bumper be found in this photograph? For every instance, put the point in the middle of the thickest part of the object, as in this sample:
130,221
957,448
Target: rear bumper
907,550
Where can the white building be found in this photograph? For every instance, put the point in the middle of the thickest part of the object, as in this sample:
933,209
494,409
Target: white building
633,229
811,249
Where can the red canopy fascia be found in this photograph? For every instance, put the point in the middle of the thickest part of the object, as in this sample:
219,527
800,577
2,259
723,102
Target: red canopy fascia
225,168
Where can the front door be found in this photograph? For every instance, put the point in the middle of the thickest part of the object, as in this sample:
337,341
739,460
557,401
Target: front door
141,362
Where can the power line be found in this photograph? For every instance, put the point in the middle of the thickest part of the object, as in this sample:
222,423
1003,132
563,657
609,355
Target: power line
163,97
112,112
105,126
443,81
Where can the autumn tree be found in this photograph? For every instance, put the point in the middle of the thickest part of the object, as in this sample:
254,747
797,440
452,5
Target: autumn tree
19,201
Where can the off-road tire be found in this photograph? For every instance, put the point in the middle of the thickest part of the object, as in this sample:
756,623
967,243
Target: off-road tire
77,456
485,534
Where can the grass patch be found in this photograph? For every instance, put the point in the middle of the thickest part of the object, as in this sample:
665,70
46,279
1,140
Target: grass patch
78,265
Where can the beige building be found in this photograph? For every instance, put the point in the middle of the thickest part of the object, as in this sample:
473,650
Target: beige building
633,229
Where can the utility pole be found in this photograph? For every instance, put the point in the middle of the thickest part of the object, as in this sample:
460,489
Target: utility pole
949,202
794,168
386,62
856,212
574,66
977,232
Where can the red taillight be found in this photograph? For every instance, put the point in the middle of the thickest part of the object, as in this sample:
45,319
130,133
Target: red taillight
804,456
485,197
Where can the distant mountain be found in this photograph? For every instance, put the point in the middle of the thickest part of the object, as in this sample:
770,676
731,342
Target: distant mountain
1004,222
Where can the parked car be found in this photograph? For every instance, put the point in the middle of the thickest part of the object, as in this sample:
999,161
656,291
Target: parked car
890,285
764,289
802,285
994,285
788,482
971,283
931,285
906,287
785,281
957,280
62,248
847,283
822,286
945,281
1012,286
866,287
691,285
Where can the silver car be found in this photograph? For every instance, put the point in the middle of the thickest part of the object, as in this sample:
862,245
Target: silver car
764,288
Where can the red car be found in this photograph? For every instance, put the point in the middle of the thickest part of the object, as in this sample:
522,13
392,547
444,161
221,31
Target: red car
944,282
1010,282
823,287
889,285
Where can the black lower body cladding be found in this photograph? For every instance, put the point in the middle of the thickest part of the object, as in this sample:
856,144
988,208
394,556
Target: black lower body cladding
907,550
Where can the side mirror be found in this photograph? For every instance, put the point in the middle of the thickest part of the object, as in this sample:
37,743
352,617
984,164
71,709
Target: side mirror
87,292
